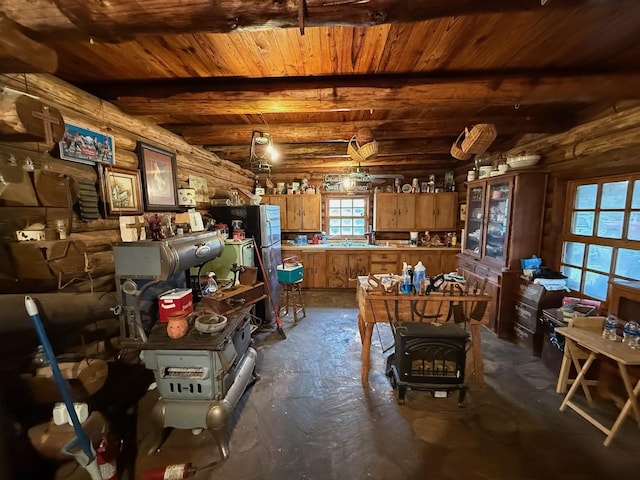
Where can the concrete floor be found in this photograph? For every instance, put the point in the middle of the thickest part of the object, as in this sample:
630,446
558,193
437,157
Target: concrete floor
309,417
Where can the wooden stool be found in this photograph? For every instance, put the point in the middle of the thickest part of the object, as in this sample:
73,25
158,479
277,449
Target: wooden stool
292,293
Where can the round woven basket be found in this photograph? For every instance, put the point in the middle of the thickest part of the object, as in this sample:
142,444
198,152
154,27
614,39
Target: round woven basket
456,149
362,153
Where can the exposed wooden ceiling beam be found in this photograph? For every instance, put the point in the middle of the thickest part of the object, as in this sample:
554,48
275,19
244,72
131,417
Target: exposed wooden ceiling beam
291,153
117,20
479,91
21,54
422,128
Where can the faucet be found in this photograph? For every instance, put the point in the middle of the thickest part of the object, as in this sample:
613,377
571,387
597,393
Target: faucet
371,236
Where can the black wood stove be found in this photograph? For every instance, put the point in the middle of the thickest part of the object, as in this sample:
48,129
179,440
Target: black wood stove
428,357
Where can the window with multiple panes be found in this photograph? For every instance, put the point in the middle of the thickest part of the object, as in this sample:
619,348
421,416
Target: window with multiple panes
347,216
601,240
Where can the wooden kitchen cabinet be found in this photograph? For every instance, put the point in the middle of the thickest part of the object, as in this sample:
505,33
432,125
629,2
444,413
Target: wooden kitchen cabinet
384,262
314,266
394,212
504,224
436,211
343,266
314,269
429,258
281,201
415,211
303,213
298,213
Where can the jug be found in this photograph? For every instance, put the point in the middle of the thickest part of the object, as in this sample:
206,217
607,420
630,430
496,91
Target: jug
413,239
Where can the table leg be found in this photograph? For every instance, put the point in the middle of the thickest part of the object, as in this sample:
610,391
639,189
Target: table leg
476,348
578,381
366,350
631,403
574,350
361,327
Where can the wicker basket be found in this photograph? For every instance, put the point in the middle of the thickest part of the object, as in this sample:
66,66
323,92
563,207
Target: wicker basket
478,139
456,149
364,152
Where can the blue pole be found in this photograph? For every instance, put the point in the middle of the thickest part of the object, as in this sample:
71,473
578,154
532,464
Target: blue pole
63,386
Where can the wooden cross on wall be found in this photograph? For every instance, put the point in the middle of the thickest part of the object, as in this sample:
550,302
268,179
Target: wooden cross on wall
47,120
137,225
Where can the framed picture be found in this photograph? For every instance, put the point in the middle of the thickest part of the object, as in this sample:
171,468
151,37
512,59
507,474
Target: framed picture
80,144
159,177
123,194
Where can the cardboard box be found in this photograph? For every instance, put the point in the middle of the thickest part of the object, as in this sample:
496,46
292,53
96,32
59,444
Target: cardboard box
289,273
179,300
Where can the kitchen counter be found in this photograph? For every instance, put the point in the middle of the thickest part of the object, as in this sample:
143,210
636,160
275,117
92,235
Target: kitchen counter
365,246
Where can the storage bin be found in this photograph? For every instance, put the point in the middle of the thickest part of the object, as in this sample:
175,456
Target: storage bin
289,273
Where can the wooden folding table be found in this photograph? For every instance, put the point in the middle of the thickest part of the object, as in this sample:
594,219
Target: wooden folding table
624,356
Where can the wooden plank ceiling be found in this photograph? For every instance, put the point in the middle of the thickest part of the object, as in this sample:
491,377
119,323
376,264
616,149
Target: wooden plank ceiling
416,73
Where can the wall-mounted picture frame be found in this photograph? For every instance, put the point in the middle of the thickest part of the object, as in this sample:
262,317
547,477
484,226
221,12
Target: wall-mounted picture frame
123,191
84,145
160,186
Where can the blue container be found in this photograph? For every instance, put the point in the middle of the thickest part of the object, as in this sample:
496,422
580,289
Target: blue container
289,273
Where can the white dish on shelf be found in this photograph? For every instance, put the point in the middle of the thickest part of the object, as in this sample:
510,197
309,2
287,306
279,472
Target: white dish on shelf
523,161
406,188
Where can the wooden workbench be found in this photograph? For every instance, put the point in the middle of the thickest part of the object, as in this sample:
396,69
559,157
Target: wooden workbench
375,307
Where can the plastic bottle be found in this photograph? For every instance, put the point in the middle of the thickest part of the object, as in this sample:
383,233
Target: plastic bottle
454,239
40,358
609,331
631,334
212,285
405,280
418,276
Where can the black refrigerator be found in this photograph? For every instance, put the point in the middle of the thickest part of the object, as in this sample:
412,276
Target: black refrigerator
261,222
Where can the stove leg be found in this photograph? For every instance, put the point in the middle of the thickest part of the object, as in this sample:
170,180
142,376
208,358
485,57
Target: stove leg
461,395
217,419
401,393
158,432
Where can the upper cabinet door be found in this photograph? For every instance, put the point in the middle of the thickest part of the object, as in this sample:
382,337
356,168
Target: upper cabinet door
406,211
497,215
385,207
474,226
446,213
426,211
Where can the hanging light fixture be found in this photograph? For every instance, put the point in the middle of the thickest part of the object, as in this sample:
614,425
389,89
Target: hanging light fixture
262,154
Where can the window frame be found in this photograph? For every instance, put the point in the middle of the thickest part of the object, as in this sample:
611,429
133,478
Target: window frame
367,215
594,239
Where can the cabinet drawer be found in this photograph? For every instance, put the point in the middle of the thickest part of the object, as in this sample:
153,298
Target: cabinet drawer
483,271
383,268
523,337
384,257
526,316
467,264
530,293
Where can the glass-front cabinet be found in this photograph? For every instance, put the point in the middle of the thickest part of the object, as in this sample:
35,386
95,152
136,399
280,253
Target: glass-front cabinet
474,231
488,215
498,206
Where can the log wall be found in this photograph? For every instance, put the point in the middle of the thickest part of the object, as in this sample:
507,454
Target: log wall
94,238
607,142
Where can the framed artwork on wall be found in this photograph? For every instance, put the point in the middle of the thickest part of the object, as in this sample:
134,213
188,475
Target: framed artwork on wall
159,177
83,145
123,191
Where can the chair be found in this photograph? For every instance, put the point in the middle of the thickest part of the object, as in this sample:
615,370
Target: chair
579,354
292,293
